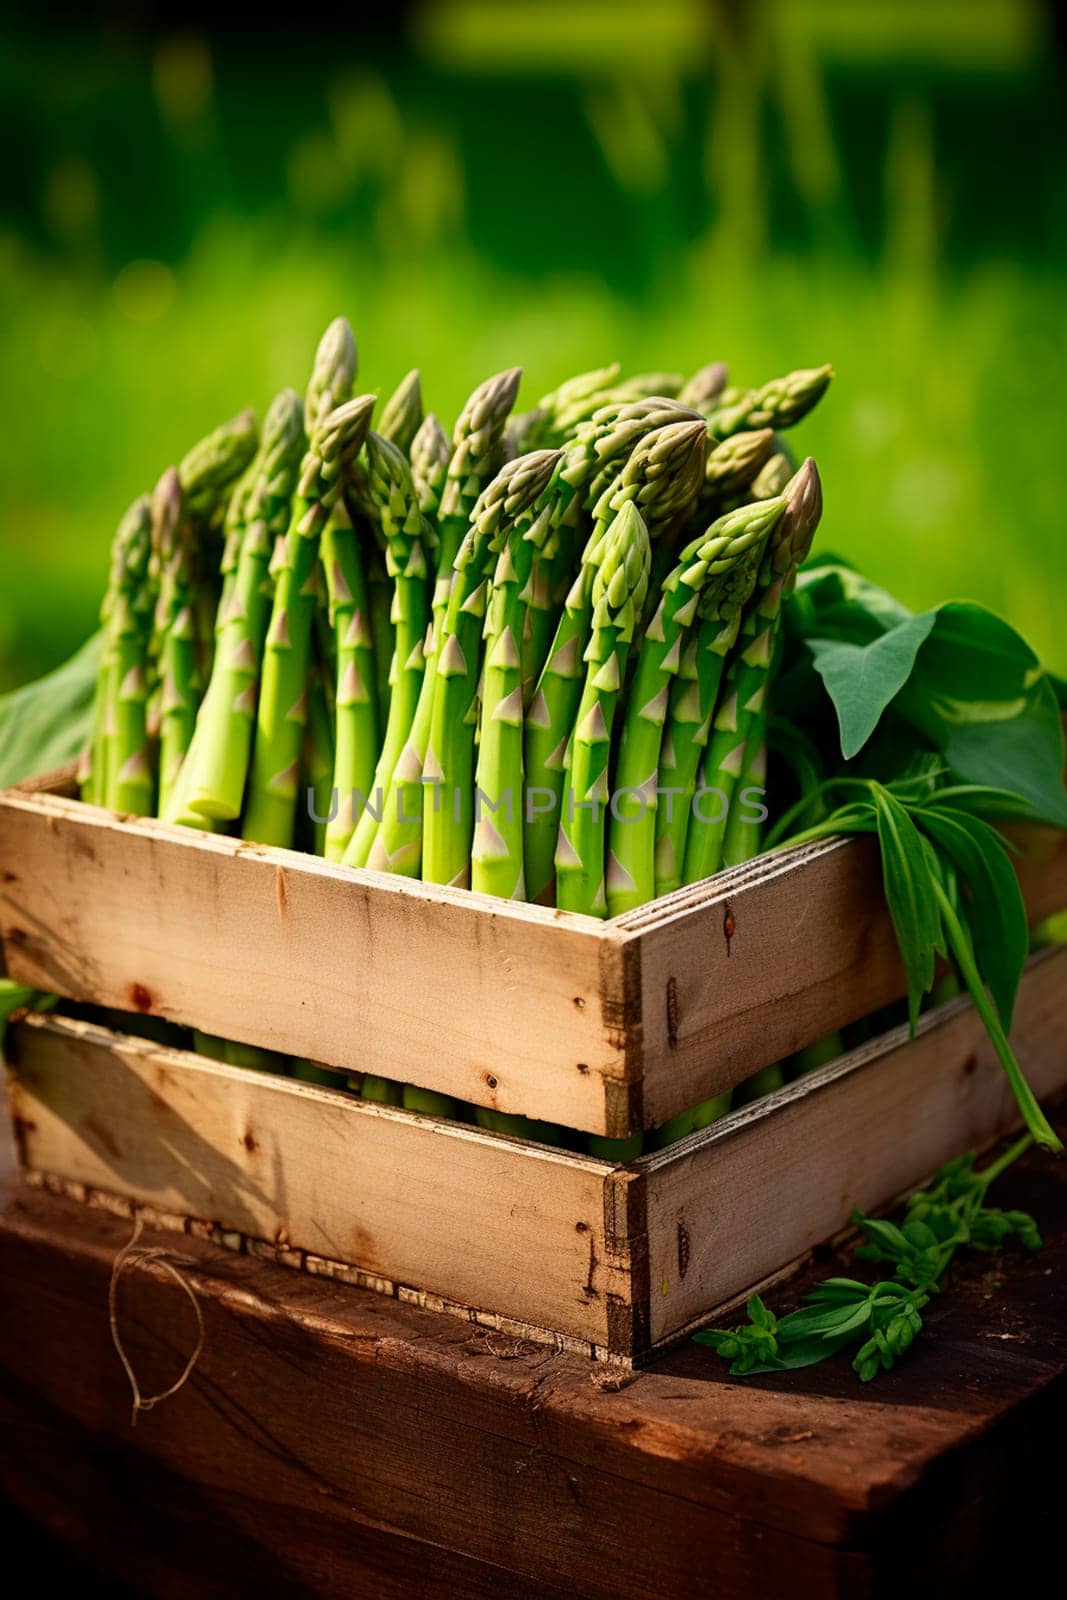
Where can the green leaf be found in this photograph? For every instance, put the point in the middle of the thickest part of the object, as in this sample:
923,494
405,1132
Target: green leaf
981,697
861,680
909,895
45,724
994,910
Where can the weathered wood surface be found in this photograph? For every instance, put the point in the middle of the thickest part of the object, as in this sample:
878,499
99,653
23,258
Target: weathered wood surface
332,1442
491,1001
606,1027
761,960
410,1199
618,1260
728,1206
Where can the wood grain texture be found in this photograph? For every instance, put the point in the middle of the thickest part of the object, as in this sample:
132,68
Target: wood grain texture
491,1001
331,1442
730,1205
759,961
605,1027
494,1223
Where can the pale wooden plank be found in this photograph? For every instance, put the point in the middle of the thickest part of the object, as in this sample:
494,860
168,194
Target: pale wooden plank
730,1205
497,1003
759,961
498,1224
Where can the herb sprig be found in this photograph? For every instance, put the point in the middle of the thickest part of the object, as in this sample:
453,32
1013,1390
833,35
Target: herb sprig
951,892
882,1318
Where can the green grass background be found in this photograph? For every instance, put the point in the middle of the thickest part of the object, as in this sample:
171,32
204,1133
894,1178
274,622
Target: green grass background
185,208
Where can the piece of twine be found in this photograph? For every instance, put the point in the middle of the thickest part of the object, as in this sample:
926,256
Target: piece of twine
129,1259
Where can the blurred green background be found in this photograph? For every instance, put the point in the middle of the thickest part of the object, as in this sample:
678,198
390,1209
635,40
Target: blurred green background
187,199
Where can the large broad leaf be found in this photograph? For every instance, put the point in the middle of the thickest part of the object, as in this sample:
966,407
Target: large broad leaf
46,723
844,604
979,694
861,680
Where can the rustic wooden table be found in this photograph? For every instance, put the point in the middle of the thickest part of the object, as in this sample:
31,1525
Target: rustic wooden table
333,1442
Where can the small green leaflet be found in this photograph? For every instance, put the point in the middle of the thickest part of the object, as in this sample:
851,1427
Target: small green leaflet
993,906
881,1318
909,896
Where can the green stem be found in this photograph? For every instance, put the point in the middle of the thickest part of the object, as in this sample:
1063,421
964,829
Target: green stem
1037,1123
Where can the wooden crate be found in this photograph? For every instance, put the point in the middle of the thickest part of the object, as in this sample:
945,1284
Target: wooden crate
607,1027
616,1260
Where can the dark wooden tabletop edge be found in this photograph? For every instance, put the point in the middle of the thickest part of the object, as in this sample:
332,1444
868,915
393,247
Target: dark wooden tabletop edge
706,1438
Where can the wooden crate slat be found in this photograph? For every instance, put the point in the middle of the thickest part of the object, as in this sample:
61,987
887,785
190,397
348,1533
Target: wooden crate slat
758,962
491,1001
602,1026
731,1205
489,1222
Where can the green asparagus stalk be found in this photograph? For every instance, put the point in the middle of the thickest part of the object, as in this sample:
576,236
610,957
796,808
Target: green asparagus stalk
735,462
429,455
391,490
356,696
692,702
661,476
318,755
620,582
207,471
127,782
777,404
401,415
705,564
477,452
213,779
335,441
705,387
745,681
175,631
130,549
772,479
496,854
448,812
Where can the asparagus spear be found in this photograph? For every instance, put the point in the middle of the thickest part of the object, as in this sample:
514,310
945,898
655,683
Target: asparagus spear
430,453
212,783
735,461
175,632
705,387
335,441
777,404
401,415
704,565
692,701
745,681
129,550
126,781
395,844
620,582
661,476
355,739
391,490
448,812
496,854
207,470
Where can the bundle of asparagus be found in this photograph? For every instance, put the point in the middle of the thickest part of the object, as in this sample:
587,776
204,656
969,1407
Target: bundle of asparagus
532,659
